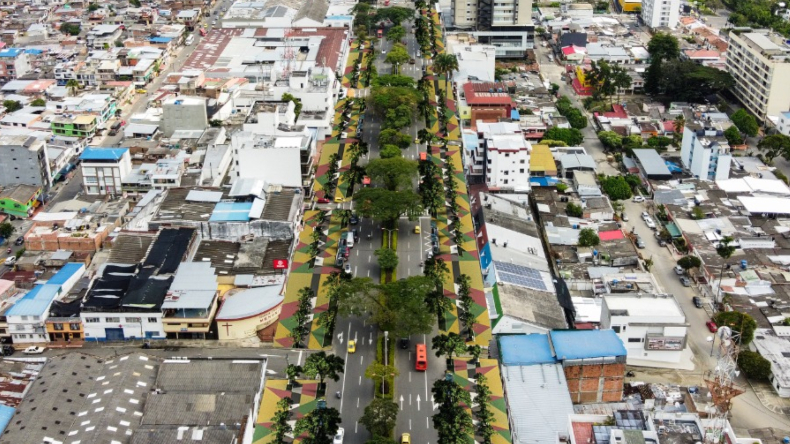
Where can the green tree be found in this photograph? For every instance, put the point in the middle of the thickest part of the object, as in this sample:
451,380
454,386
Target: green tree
135,3
452,421
387,258
588,238
448,345
394,80
92,7
610,140
616,187
739,323
380,415
397,56
446,64
689,262
321,425
280,420
396,33
292,373
724,249
663,46
659,142
775,145
388,206
11,105
754,366
73,85
324,366
390,151
395,14
574,210
653,77
399,117
572,136
633,141
6,230
70,28
300,316
733,135
38,102
297,103
745,122
393,174
379,373
393,137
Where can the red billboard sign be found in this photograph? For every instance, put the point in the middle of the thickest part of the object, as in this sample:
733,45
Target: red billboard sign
280,264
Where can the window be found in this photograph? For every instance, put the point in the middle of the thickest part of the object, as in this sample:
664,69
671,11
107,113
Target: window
507,154
616,328
92,320
135,320
112,320
521,170
57,326
153,320
24,318
36,318
521,161
74,327
634,339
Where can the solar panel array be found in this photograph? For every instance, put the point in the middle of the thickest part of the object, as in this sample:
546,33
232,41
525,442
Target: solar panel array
520,275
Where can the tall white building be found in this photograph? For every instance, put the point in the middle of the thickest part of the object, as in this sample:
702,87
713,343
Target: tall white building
759,62
506,155
505,24
660,13
705,152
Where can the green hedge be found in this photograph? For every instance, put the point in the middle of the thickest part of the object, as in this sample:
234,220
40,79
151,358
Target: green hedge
391,361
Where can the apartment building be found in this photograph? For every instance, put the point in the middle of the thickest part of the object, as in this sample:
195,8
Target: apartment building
705,152
104,168
14,63
660,13
103,36
505,24
506,154
759,61
23,160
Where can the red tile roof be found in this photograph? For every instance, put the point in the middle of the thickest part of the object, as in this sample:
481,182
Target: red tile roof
582,432
610,235
617,112
480,94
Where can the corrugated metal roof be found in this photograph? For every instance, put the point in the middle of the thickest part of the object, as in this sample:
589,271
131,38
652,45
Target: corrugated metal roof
91,153
36,302
652,163
539,402
231,211
586,344
526,350
541,159
204,196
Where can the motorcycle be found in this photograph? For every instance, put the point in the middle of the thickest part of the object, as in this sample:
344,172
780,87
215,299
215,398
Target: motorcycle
630,374
337,394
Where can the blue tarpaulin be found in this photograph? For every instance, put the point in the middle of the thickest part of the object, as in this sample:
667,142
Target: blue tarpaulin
514,115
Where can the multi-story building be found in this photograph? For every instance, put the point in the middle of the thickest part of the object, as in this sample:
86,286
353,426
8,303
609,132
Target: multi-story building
705,152
506,155
184,113
103,106
82,126
20,200
103,169
191,302
759,61
23,160
660,13
652,327
165,173
14,63
506,24
783,124
103,36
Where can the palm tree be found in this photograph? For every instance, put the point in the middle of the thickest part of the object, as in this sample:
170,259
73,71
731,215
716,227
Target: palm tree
324,366
345,217
448,345
445,63
73,85
679,124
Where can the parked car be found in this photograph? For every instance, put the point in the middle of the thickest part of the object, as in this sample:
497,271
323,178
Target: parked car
7,350
679,270
650,224
645,215
685,281
640,243
638,199
712,327
347,268
19,241
624,217
354,219
339,436
696,301
34,350
324,200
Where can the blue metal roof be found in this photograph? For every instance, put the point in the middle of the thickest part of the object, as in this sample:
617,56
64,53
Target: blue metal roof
231,212
526,350
11,52
65,273
6,413
36,302
34,51
160,39
586,344
95,153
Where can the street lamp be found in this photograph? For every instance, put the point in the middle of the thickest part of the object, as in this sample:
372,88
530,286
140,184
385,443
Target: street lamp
718,290
712,340
386,356
389,240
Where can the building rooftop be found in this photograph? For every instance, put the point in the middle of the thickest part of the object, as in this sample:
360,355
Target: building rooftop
19,193
653,164
93,153
586,344
526,350
194,286
245,303
650,305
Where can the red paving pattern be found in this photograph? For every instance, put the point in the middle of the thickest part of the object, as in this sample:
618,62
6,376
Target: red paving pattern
210,48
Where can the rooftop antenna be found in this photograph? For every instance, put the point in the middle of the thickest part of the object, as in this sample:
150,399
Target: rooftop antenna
721,383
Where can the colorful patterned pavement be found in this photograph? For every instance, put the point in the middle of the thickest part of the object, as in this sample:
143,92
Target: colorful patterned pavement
464,374
469,262
303,401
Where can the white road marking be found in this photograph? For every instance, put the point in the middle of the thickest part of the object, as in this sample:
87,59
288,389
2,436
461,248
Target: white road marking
410,424
356,423
355,271
409,398
427,424
357,404
299,360
368,273
343,387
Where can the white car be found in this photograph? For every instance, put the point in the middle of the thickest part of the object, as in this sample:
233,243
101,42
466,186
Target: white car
339,436
10,261
347,268
650,223
34,350
645,216
638,199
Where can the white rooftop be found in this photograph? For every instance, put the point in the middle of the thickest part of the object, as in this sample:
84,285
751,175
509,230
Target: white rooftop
765,204
644,305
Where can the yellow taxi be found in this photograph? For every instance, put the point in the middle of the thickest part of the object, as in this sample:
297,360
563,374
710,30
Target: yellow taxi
405,438
338,198
417,229
141,91
352,346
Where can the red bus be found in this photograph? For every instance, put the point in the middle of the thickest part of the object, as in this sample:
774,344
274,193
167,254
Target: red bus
423,156
380,33
421,363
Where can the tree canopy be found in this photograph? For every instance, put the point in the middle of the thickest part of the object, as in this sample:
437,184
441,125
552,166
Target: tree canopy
380,416
588,238
745,122
685,80
398,55
396,33
616,187
572,136
385,98
394,137
733,135
689,262
739,323
393,174
775,145
394,80
387,258
663,46
390,151
388,206
320,424
445,63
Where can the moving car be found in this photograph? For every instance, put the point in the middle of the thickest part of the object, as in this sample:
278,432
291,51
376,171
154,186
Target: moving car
324,200
34,350
638,199
347,268
411,61
338,439
405,438
19,241
417,229
712,327
696,301
10,261
404,343
352,346
354,219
